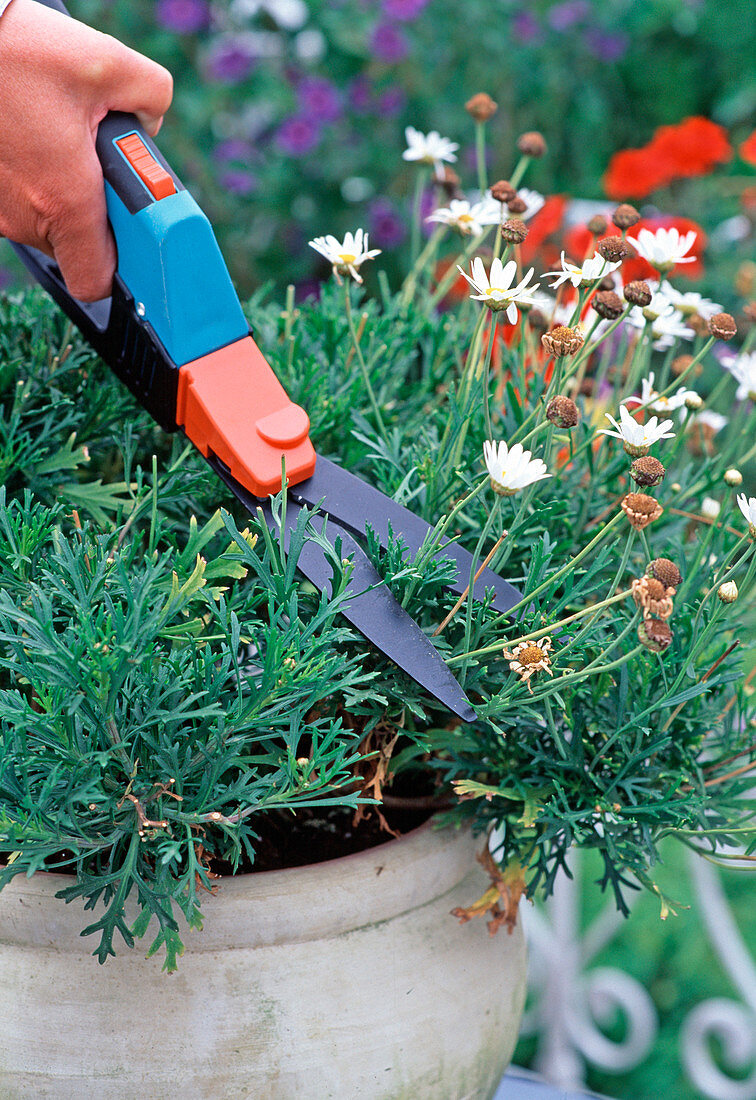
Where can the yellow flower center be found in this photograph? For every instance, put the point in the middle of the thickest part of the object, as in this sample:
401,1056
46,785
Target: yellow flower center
347,257
531,655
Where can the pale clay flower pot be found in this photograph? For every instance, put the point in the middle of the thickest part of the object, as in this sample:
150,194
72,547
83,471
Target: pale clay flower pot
347,979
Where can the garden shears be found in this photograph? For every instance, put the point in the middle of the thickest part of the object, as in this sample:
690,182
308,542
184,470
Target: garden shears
174,332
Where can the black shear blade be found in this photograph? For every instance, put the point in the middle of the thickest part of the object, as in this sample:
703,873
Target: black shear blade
355,503
372,609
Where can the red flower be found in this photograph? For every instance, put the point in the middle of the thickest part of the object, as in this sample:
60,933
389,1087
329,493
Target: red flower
692,147
542,225
747,149
633,174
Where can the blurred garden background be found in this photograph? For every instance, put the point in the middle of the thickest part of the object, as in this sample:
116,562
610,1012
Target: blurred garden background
288,123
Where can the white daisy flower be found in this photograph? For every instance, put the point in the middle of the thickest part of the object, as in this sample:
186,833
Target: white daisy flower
665,248
585,275
512,468
345,256
650,398
469,219
667,324
689,302
498,290
637,438
429,148
743,370
748,507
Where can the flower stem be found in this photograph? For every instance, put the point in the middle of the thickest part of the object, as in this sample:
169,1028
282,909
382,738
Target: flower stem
417,209
361,361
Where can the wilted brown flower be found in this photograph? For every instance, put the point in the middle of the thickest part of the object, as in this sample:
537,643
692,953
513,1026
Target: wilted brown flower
481,107
665,570
653,598
538,320
514,231
527,658
638,293
614,249
655,635
681,363
562,411
448,181
722,325
625,215
517,205
563,340
647,471
503,191
597,225
532,144
608,305
641,509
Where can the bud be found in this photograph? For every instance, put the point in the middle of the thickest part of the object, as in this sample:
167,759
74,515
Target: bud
655,635
733,477
514,231
641,509
503,191
693,401
481,107
597,225
562,411
665,571
532,144
517,205
614,249
728,592
647,471
608,305
625,216
710,508
722,325
638,293
654,599
563,340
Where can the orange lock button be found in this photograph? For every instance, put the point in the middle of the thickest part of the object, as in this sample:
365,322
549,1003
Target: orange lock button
151,173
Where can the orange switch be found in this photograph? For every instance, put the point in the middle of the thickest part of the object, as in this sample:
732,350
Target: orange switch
151,173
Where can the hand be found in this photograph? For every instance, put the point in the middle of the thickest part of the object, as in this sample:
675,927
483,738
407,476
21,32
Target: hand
59,79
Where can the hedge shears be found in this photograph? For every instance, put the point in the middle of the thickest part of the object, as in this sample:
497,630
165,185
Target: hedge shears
175,333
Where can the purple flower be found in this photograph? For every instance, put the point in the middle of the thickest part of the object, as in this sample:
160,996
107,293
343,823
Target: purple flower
525,27
387,228
318,99
608,46
404,10
6,278
232,149
238,182
297,135
563,16
182,16
388,43
230,62
360,95
390,102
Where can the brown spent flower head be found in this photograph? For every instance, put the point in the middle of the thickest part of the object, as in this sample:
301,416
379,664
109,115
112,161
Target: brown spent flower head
641,509
503,191
538,320
563,340
625,216
647,471
517,205
655,635
699,325
614,249
749,311
728,592
665,571
562,411
597,225
448,181
527,658
532,144
722,325
638,293
514,231
481,107
652,597
681,363
608,305
607,283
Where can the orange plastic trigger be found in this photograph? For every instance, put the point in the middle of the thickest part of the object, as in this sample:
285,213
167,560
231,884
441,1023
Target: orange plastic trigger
231,403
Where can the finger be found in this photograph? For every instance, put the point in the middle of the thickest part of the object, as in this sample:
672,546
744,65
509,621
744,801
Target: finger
138,85
81,239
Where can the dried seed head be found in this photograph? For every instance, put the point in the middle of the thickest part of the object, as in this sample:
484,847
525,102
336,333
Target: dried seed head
749,311
665,571
481,107
697,323
538,320
448,181
598,225
654,599
625,215
641,509
503,191
607,283
514,231
608,305
638,293
728,592
647,471
517,205
733,477
614,249
563,340
722,325
532,144
655,635
562,411
681,363
693,401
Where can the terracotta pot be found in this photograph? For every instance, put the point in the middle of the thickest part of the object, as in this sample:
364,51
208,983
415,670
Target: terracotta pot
343,979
